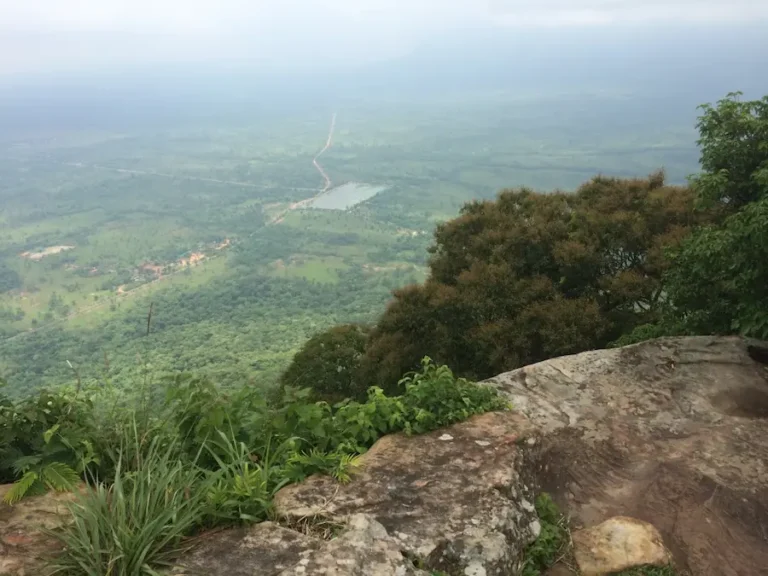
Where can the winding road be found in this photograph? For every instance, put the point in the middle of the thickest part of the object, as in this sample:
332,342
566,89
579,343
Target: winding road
327,186
328,143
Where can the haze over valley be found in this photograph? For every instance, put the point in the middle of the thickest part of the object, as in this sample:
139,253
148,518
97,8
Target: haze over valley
251,204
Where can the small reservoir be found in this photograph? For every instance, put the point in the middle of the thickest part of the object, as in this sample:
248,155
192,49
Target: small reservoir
345,196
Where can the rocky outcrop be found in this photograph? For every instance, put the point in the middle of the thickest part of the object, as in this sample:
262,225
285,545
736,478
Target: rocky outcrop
269,549
365,548
672,432
265,548
24,546
454,500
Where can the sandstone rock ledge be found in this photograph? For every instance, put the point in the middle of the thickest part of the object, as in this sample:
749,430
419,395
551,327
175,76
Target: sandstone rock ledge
454,499
450,500
672,432
23,543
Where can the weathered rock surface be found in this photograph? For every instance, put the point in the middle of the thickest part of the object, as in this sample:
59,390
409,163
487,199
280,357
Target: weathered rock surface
365,548
672,431
268,549
23,545
453,498
617,544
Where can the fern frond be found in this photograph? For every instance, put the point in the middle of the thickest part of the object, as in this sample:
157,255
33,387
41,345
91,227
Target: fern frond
60,477
20,488
22,464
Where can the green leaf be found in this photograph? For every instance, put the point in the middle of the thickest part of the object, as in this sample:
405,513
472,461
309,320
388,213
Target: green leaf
24,463
48,434
20,488
60,477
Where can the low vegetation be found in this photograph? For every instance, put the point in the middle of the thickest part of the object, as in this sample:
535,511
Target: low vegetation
185,455
135,524
650,571
552,542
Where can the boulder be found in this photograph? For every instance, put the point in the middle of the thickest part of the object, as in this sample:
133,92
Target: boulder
454,500
365,548
265,549
617,544
671,431
268,549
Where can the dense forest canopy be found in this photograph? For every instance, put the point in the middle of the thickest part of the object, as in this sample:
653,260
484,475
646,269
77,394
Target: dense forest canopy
9,278
199,225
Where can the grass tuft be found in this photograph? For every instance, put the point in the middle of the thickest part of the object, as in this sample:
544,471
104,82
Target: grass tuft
136,525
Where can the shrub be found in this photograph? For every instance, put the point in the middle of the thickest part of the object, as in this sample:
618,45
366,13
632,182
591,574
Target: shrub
46,442
329,364
135,525
434,398
199,456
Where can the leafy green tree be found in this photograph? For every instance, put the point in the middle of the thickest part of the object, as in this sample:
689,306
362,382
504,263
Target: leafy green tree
719,281
733,136
329,364
532,276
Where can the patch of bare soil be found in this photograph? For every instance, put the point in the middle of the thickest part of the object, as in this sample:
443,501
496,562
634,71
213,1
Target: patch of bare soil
45,252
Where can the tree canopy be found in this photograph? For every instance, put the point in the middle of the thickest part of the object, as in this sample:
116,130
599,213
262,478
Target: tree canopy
329,363
734,153
531,276
719,281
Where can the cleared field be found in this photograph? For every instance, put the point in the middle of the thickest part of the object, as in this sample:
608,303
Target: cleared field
323,270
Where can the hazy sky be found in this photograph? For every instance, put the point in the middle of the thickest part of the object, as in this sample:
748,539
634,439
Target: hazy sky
60,35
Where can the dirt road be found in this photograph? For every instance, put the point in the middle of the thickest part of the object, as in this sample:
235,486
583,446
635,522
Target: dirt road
328,143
